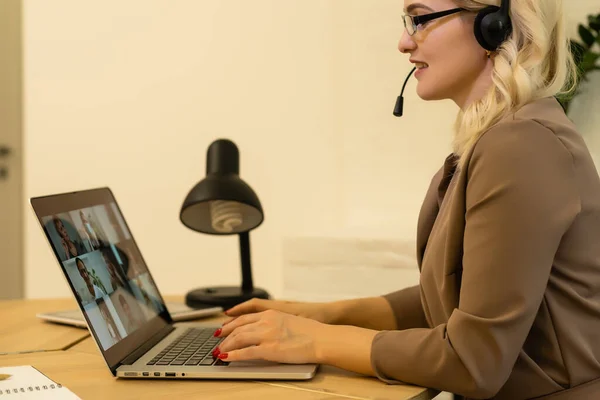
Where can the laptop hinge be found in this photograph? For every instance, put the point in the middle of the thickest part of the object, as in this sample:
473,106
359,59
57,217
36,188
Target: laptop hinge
144,348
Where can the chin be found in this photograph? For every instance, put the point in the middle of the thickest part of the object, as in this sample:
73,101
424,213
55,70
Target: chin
430,95
429,92
429,88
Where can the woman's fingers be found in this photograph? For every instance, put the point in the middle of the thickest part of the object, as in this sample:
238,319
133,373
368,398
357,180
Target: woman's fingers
247,307
229,321
245,328
241,341
226,329
248,353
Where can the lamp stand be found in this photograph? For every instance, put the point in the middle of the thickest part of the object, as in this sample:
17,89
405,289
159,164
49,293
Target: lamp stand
229,296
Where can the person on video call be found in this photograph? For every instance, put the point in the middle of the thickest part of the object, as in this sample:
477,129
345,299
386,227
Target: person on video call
116,278
95,292
70,247
131,322
110,323
134,269
152,303
90,231
508,305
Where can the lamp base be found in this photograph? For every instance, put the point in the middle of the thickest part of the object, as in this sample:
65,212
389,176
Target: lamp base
223,296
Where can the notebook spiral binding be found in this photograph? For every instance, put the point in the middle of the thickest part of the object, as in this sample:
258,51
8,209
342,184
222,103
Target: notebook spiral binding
30,389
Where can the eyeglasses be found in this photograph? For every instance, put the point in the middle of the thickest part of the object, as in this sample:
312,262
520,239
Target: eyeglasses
412,23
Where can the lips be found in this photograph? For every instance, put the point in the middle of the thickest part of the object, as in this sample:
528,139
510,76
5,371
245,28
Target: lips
420,71
419,64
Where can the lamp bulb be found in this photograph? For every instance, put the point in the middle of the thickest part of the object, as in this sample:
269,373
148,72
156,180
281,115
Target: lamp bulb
225,215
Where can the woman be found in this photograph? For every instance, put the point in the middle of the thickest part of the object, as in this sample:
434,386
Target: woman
91,232
508,305
69,246
94,291
109,322
117,279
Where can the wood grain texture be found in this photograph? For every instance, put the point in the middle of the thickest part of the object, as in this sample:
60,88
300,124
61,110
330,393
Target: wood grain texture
22,331
329,380
78,365
88,377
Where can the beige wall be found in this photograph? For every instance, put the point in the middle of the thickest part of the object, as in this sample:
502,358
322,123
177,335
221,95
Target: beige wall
129,94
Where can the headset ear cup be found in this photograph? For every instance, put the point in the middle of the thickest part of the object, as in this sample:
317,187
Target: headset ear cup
478,27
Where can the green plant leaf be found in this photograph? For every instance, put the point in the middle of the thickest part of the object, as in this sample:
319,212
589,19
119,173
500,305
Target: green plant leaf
587,36
585,59
589,61
594,22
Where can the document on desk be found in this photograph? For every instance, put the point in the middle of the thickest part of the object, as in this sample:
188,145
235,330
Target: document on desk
26,382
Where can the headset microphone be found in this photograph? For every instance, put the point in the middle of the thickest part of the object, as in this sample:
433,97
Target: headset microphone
400,101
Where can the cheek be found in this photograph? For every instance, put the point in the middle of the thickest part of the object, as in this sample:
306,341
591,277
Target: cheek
464,65
455,61
458,49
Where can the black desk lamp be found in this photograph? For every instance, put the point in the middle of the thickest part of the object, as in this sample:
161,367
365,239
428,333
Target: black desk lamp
223,204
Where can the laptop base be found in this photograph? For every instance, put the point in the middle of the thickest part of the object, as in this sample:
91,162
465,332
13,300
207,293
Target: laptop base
256,370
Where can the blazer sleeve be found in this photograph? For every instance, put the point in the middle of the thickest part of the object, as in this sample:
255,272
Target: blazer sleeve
407,308
521,197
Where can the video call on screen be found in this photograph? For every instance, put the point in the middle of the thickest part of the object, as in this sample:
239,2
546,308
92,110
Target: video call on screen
106,270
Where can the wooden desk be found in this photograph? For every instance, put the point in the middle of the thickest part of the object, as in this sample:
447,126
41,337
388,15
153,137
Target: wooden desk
20,328
88,377
81,368
329,380
22,331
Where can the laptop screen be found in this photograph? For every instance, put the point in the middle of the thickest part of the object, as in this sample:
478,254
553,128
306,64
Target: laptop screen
102,264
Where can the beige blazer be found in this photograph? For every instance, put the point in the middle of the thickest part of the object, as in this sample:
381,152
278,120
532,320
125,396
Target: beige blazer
508,305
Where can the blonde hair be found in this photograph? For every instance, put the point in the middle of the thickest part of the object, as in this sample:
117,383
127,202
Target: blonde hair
533,63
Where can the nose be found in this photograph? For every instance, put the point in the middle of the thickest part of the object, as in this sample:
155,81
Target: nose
406,43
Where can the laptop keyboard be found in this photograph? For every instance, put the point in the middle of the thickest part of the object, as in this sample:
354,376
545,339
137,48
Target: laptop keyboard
193,347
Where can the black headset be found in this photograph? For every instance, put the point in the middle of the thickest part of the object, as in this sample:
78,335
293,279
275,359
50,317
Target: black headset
493,26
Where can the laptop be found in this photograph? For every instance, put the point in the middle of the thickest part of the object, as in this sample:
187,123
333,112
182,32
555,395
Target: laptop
179,312
123,308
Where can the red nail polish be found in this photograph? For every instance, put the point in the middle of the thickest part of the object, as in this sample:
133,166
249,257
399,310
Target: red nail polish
218,332
223,356
216,352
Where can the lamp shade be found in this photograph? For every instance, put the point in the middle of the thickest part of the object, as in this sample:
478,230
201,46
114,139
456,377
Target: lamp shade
222,203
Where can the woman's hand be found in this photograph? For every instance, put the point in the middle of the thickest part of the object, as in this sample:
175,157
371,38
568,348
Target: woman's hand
276,336
271,335
322,312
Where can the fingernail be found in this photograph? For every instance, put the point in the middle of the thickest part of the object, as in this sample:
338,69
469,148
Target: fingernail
216,352
222,356
218,332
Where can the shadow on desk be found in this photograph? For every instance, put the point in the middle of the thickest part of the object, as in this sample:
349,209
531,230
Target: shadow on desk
87,376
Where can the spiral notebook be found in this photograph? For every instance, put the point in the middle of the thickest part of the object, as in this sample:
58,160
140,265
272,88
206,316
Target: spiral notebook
26,382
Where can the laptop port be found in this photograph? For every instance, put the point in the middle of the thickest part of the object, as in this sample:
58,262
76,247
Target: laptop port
146,373
170,374
157,374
